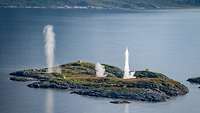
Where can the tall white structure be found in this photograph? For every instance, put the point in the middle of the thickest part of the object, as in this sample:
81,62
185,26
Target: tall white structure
127,73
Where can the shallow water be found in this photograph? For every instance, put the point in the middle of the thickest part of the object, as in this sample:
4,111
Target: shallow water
166,41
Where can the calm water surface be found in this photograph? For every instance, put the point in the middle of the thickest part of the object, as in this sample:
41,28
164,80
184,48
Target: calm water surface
166,41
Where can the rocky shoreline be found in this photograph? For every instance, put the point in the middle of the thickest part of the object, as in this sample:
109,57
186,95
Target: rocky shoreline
120,102
21,79
79,78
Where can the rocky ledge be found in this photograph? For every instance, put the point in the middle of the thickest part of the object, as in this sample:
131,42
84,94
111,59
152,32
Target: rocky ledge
79,78
21,79
120,102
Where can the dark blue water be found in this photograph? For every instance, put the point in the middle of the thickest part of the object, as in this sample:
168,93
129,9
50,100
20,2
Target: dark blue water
166,41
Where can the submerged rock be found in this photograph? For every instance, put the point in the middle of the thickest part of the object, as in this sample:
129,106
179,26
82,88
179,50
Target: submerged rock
195,80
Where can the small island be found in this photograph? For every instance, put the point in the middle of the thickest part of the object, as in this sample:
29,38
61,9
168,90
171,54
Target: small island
80,78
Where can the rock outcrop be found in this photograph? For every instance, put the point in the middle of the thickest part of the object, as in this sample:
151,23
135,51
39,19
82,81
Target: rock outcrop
195,80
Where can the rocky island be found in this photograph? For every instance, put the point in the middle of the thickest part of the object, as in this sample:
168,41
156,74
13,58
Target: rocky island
79,78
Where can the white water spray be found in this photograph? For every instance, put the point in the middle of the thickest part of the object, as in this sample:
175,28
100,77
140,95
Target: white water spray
127,73
126,67
100,70
49,36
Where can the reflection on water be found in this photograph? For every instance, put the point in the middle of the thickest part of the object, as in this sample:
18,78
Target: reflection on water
49,102
126,108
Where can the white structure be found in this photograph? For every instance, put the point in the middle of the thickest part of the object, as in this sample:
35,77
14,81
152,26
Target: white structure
127,73
100,70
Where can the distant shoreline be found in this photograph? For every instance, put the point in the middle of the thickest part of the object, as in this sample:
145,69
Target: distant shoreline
56,7
97,7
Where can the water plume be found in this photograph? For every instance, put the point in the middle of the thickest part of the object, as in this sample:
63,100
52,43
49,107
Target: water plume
100,70
49,37
127,73
126,66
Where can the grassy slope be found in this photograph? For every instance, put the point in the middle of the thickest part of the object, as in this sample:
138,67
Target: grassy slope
83,73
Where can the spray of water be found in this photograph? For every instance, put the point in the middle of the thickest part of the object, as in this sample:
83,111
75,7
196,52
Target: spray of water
126,67
127,73
49,37
100,70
